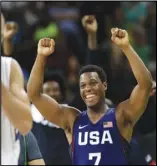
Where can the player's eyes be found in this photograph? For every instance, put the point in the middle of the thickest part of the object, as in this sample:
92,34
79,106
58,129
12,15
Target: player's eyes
93,83
82,86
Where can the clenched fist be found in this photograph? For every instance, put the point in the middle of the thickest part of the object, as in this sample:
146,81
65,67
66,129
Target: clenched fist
120,37
10,30
46,46
90,24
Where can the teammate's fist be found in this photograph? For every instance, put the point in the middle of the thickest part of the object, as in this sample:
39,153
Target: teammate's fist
46,46
120,37
10,30
90,23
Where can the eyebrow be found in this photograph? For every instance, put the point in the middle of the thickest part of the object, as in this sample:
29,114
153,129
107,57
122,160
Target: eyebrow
92,79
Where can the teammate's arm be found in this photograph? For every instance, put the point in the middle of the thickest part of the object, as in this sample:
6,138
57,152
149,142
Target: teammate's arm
37,162
10,29
15,102
33,152
89,22
136,104
47,106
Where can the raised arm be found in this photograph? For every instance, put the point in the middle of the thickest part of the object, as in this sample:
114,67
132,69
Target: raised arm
94,55
47,106
135,106
15,102
10,30
89,22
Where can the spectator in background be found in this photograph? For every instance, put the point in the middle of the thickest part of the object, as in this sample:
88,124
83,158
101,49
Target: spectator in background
30,153
52,139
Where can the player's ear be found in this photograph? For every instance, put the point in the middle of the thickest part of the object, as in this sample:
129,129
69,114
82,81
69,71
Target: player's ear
105,86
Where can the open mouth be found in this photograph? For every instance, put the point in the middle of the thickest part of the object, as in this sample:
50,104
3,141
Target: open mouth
90,97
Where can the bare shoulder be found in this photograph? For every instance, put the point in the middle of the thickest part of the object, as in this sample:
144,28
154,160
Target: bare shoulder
71,113
70,109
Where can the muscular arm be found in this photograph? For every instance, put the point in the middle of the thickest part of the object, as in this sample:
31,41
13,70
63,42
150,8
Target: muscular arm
136,104
37,162
15,102
47,106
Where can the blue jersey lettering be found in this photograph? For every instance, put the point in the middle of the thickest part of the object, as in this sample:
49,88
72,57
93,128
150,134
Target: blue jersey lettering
98,144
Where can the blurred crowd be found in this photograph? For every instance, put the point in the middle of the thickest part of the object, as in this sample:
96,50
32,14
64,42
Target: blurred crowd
63,22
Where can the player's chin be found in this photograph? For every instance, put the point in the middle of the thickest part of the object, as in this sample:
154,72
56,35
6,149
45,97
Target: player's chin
92,103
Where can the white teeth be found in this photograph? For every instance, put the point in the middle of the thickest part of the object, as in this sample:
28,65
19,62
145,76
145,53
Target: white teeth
89,96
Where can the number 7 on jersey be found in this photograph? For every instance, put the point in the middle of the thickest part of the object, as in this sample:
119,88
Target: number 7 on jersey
95,155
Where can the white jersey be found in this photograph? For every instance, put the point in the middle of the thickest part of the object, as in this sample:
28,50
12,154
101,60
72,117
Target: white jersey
10,148
38,118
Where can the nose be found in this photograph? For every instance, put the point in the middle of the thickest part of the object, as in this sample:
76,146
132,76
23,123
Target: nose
88,88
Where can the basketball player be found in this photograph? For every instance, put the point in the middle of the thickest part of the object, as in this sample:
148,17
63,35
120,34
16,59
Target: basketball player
15,112
100,136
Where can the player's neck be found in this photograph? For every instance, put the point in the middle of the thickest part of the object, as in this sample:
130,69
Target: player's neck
95,116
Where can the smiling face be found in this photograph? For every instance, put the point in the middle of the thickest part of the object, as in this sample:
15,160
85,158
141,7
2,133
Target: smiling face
92,89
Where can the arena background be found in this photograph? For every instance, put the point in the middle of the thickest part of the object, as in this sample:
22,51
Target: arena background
62,21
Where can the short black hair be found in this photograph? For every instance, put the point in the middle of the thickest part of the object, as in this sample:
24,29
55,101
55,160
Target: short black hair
93,68
58,77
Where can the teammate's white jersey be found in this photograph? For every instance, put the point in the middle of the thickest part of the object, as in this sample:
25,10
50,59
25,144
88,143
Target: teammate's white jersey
10,148
38,118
